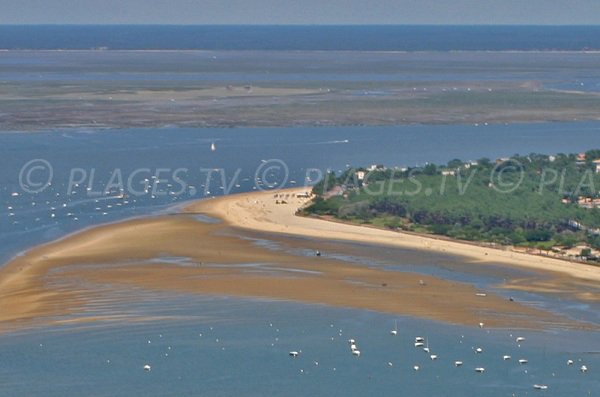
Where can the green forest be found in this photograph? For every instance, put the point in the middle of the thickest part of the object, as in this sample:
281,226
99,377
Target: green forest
536,201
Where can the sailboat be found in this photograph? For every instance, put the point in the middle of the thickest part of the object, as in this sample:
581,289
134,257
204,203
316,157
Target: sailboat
394,332
213,147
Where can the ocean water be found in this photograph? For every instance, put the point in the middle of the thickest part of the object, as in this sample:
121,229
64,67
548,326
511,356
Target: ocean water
348,38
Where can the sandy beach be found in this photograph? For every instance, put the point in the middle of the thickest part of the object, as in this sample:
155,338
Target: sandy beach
54,283
259,211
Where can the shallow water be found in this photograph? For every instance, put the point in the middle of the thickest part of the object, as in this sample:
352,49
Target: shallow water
72,359
233,346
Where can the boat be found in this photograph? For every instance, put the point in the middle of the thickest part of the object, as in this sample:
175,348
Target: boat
540,387
213,147
480,370
394,332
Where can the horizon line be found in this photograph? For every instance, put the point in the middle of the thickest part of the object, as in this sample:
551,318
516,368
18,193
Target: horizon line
302,24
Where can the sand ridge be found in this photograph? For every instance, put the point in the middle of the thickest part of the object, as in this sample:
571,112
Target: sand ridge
53,283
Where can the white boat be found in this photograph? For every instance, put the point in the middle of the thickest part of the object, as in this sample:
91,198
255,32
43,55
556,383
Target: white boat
213,147
523,361
480,370
520,339
294,354
583,369
458,363
419,339
540,387
505,358
394,332
419,344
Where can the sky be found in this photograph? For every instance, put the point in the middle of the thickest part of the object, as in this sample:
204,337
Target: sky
560,12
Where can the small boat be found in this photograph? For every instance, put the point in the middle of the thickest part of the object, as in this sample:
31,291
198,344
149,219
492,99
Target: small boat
147,368
419,344
523,361
480,370
426,348
479,350
419,339
540,387
433,357
458,363
394,332
294,354
520,339
416,367
356,353
213,147
583,369
569,362
505,358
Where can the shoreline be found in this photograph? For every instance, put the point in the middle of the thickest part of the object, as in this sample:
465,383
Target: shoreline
311,124
280,219
55,282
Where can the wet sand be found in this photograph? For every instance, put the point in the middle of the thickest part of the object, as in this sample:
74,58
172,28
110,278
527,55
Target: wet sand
56,281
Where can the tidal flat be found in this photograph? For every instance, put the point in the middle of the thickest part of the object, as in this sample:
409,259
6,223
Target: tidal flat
46,90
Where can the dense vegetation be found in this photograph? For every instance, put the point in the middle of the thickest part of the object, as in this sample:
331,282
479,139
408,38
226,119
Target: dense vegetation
524,200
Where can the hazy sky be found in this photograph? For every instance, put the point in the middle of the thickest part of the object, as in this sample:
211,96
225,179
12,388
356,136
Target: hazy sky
301,11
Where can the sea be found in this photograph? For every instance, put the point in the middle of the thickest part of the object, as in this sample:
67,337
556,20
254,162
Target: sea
299,37
62,181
